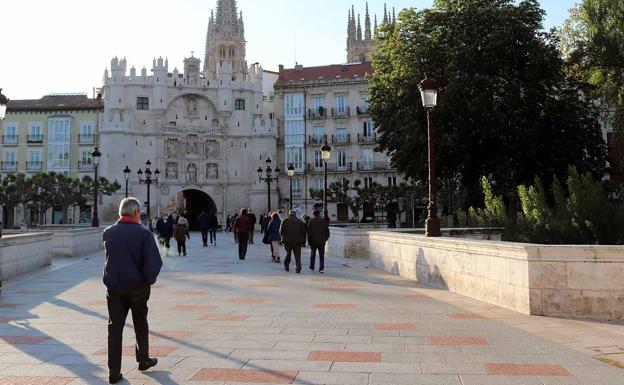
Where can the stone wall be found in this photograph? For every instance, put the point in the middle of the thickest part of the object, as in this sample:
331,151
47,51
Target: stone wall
548,280
23,253
77,241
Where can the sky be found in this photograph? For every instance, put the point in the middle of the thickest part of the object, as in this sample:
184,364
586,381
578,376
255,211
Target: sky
63,46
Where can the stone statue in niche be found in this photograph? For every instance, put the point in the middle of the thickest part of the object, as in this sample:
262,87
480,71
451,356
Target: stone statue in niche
171,171
215,123
172,147
212,171
190,102
191,173
191,145
212,149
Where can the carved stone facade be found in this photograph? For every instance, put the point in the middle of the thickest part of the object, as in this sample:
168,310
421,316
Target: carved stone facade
206,132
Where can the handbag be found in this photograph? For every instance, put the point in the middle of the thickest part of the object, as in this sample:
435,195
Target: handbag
265,238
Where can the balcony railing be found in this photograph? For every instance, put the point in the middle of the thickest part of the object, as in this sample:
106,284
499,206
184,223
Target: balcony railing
362,110
313,139
85,166
297,194
374,166
34,139
8,166
341,139
10,139
86,139
338,113
182,129
367,139
34,166
331,167
317,113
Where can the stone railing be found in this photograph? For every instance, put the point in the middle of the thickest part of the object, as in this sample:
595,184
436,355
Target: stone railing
23,253
74,241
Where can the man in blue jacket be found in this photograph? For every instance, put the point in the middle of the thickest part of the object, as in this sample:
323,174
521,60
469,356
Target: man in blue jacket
132,265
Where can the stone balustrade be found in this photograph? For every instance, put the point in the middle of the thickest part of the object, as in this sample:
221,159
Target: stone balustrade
23,253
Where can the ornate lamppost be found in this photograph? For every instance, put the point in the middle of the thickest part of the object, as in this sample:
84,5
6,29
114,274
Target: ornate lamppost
149,180
95,157
268,179
291,173
326,155
127,172
429,94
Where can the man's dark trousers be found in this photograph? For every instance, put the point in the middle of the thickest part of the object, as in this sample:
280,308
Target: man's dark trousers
119,301
213,236
205,236
296,249
243,238
321,252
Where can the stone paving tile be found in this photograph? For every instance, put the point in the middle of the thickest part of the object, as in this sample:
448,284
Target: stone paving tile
216,317
457,341
18,380
155,351
413,379
376,367
339,356
468,379
466,316
331,378
527,370
395,326
237,375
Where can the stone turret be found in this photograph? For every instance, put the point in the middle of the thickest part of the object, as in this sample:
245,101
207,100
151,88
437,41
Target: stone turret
225,41
360,43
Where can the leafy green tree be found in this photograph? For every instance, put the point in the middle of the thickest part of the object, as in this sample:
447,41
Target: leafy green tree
42,194
592,40
505,109
14,190
352,195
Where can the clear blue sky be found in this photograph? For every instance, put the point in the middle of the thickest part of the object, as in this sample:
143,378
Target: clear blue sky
65,45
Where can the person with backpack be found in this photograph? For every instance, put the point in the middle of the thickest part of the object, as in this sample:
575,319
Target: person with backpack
181,234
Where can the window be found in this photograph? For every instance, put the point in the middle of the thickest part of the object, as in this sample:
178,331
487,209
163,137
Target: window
10,133
342,158
9,157
239,104
341,135
317,102
392,181
34,132
142,103
86,132
296,187
341,103
295,156
318,134
368,182
59,136
85,157
294,105
294,130
318,159
34,160
59,130
367,159
368,129
318,184
232,52
364,101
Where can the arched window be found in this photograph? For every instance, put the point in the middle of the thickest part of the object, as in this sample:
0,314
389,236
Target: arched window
232,52
222,53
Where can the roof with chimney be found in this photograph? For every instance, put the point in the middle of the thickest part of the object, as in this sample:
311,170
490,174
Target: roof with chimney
335,72
56,103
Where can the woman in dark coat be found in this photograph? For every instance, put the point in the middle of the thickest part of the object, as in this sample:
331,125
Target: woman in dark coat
274,236
181,234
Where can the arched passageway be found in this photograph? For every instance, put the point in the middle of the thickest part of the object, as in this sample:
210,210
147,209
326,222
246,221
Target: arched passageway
191,203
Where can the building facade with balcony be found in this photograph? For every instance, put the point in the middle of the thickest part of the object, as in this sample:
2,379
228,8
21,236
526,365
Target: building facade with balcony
54,133
205,130
328,103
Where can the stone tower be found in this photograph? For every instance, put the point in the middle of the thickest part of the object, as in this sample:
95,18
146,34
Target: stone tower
225,41
361,44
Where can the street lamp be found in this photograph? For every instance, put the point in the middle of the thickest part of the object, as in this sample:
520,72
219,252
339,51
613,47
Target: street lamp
291,173
268,179
3,105
325,155
429,94
126,172
150,178
95,157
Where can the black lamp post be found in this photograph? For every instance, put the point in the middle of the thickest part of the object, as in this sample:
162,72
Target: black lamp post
291,173
126,172
429,93
149,180
95,157
326,155
268,179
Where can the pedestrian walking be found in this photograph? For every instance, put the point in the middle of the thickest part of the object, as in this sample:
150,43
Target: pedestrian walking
213,226
293,233
181,234
228,223
204,226
273,236
252,220
132,266
160,228
264,222
242,227
168,231
318,234
234,218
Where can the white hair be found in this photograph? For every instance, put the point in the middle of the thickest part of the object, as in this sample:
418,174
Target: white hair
128,207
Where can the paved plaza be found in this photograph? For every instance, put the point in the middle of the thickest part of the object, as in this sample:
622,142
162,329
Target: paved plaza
217,320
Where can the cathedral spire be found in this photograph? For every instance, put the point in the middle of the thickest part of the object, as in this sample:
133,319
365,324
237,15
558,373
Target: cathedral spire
225,41
226,12
385,19
367,25
393,16
375,24
359,29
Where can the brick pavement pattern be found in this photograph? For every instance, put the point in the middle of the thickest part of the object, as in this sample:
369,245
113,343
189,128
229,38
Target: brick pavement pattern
217,320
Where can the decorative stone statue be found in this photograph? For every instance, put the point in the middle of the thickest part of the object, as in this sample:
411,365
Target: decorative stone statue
190,102
172,147
191,147
212,171
171,171
212,149
191,173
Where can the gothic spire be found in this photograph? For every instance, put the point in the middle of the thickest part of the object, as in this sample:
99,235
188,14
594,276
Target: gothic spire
367,25
226,12
385,19
375,24
393,16
359,29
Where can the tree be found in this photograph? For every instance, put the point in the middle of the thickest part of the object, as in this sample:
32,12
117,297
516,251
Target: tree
505,107
14,190
592,40
351,195
42,194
